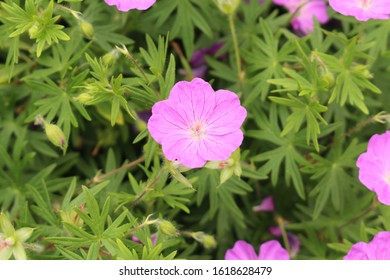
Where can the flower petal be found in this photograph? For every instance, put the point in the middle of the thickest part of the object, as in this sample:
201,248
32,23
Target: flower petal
272,250
241,251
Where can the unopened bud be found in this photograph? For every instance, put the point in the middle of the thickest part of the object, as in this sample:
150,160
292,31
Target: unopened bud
33,30
227,6
87,28
327,80
167,228
84,98
208,241
55,135
362,69
111,57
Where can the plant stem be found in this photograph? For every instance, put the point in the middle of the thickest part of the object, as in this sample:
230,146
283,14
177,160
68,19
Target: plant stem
147,189
280,222
98,178
183,60
236,49
373,206
381,117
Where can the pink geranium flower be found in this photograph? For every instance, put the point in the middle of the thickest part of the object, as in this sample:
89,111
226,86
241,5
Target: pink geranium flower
306,10
362,10
196,124
377,249
126,5
374,166
270,250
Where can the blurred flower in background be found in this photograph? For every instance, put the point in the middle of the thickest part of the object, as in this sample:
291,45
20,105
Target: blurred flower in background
362,10
305,11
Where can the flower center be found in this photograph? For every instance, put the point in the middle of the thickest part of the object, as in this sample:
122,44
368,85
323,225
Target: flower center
198,130
365,4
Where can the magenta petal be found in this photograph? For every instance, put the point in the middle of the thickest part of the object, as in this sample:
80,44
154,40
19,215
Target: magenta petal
126,5
272,250
377,249
267,205
357,252
375,9
220,147
241,251
380,246
374,166
196,97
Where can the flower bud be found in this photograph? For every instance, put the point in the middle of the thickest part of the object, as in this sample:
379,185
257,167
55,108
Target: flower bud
327,80
227,6
84,98
87,29
111,57
167,228
33,30
208,241
55,135
362,69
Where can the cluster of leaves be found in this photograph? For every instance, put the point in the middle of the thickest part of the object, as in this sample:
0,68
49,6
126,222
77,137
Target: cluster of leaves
95,73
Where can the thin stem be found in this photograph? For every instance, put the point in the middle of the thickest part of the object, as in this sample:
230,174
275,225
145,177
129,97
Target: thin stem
381,117
373,206
183,60
280,222
98,178
236,49
147,189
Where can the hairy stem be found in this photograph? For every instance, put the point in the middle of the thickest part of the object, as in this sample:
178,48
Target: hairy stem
98,178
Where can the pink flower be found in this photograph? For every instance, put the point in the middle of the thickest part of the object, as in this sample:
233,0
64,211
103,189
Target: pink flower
196,124
126,5
377,249
362,10
267,205
270,250
306,10
374,166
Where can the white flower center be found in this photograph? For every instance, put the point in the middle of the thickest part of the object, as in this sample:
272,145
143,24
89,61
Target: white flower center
198,130
365,4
